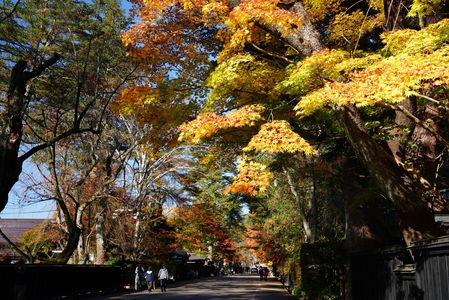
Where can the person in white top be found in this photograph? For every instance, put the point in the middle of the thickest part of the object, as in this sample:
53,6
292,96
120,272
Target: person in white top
138,273
163,277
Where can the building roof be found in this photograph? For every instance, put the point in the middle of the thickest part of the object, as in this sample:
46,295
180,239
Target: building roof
192,257
14,228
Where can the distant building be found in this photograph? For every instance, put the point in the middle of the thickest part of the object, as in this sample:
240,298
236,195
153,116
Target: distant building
13,229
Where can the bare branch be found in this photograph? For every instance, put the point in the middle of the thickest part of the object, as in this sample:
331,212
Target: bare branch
47,144
29,258
13,10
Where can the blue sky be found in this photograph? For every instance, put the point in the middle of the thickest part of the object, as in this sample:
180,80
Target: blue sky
17,209
43,210
126,4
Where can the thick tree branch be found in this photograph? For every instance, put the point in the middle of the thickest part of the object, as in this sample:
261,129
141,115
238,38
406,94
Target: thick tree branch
13,10
12,244
417,121
305,39
42,67
47,144
272,54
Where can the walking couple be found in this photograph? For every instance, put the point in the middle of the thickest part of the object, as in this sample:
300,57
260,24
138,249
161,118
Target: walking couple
149,278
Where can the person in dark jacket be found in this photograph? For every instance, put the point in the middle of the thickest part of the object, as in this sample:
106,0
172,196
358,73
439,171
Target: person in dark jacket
265,273
149,278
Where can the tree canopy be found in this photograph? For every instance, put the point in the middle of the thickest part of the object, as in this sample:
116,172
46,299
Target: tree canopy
282,63
326,120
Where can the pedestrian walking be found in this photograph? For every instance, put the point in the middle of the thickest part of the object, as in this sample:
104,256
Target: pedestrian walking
261,273
149,278
138,274
163,277
265,273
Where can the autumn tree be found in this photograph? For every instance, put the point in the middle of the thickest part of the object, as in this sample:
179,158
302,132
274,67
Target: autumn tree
61,46
156,236
151,179
201,230
63,113
277,68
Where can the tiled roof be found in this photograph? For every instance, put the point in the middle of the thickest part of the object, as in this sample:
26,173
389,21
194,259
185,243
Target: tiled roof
14,228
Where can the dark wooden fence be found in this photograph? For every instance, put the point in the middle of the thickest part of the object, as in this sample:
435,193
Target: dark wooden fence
58,281
392,274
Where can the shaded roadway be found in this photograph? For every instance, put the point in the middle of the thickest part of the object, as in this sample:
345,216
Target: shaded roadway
242,287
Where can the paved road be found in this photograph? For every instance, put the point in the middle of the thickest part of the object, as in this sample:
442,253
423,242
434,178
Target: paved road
238,287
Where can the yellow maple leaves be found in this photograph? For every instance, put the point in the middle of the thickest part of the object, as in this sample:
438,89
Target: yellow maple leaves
423,7
241,79
319,9
208,124
313,72
253,178
411,59
347,29
409,41
266,11
278,137
134,97
390,80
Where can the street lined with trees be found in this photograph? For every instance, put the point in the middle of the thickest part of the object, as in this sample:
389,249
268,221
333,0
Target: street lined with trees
240,287
293,134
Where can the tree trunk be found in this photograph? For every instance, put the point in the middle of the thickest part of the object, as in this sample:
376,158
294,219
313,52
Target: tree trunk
12,127
395,12
80,257
74,233
72,244
307,225
416,219
313,211
10,169
401,121
100,239
136,237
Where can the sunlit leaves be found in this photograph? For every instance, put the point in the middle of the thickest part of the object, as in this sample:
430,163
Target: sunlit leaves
390,80
199,227
313,72
253,178
347,29
278,137
411,41
241,79
265,11
239,26
133,98
209,124
414,58
423,7
319,9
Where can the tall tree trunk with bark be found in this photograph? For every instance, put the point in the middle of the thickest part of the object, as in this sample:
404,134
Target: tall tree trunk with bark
99,236
309,236
12,127
417,220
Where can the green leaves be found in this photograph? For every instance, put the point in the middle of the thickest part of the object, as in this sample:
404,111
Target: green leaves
239,80
423,7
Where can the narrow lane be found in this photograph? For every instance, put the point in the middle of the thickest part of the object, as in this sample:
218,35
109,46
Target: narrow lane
237,287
